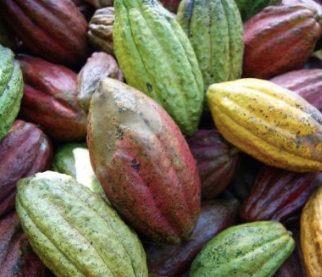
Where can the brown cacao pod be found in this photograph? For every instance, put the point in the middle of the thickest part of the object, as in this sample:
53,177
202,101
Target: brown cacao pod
16,256
23,152
279,39
50,99
174,260
305,82
97,67
100,32
278,194
216,160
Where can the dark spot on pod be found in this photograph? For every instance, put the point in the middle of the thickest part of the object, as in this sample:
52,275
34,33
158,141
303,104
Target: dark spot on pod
118,132
149,86
136,165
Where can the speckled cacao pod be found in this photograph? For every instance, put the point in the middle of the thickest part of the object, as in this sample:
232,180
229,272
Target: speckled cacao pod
16,256
279,39
278,194
173,260
143,162
50,99
23,152
97,67
53,29
100,32
216,161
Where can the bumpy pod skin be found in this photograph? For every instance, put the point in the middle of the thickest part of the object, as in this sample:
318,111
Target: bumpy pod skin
268,122
216,160
11,90
278,194
216,33
53,29
74,232
50,99
255,249
143,162
305,82
143,32
279,39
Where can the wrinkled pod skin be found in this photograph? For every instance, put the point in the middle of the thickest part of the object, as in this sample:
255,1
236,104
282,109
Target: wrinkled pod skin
143,163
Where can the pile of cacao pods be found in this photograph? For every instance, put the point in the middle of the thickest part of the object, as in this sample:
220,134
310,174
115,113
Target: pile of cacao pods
176,138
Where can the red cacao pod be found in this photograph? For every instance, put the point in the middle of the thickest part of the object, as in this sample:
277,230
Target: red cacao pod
53,29
23,152
279,39
305,82
50,99
174,260
16,256
278,194
216,161
171,5
143,162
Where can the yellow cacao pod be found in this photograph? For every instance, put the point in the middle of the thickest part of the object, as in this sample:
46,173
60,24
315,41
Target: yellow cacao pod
268,122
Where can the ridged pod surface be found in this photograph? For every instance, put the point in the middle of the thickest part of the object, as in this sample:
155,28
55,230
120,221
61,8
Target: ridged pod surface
279,39
305,82
53,29
216,160
268,122
215,30
157,58
50,99
143,162
278,194
11,90
25,151
74,232
174,260
255,249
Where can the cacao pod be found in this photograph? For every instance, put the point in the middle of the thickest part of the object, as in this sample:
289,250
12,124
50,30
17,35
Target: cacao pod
255,249
143,162
50,99
143,32
215,30
74,232
173,260
11,89
97,67
268,122
100,32
279,39
53,29
216,161
305,82
278,194
24,151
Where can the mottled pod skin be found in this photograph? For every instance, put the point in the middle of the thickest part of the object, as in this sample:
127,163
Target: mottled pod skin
50,99
216,160
74,232
143,162
16,256
279,39
305,82
278,194
25,151
53,29
215,30
255,249
174,260
157,58
268,122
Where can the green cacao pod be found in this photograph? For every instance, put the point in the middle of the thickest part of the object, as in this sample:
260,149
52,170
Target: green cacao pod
215,30
74,232
73,159
157,58
254,249
11,87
